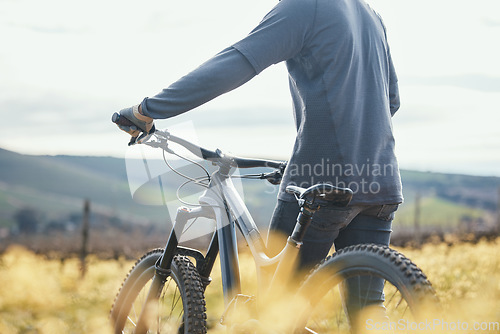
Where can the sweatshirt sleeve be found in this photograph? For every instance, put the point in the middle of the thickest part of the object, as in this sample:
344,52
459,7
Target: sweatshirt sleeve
393,88
224,72
281,34
394,102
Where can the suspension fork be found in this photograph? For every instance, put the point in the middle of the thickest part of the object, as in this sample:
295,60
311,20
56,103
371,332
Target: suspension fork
205,267
163,265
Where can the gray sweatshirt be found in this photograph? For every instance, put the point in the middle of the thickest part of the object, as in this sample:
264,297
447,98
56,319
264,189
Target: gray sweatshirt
343,86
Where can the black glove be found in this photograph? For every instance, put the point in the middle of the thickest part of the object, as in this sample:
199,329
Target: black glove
134,122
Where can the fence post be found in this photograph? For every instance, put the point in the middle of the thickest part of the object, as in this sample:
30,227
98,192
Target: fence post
498,212
416,222
85,236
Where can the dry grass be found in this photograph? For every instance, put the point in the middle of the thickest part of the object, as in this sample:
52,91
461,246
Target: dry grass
466,278
49,296
40,295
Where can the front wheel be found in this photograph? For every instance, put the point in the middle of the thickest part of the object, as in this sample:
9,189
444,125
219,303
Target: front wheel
363,289
180,307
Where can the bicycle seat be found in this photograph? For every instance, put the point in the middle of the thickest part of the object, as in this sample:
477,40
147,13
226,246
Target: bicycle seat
323,191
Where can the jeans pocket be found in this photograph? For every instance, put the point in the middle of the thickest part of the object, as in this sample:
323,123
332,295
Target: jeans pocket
332,218
387,212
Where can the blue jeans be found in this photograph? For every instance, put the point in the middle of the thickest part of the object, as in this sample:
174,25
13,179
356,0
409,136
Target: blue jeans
340,227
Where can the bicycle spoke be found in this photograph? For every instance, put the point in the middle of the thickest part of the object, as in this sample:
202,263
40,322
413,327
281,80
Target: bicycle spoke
173,304
399,302
368,290
135,316
132,322
177,301
140,301
359,289
180,316
390,300
404,311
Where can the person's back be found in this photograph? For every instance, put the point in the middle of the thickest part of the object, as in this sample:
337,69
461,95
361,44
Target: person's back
340,75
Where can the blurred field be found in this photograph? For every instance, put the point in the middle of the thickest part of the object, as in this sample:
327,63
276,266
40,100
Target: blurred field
40,295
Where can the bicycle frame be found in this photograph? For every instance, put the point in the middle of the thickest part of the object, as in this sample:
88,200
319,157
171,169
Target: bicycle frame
222,202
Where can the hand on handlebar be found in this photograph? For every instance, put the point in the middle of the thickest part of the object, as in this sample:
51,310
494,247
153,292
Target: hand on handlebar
133,123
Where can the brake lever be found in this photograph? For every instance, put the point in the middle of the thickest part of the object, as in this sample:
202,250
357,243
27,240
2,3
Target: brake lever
273,177
133,141
144,137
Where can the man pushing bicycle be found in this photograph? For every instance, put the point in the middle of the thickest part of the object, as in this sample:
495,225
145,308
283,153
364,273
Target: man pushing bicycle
344,91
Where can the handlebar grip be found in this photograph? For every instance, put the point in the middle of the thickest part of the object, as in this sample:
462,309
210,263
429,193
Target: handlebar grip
120,120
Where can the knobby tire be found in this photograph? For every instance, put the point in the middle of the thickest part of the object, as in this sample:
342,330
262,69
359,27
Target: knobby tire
413,289
188,299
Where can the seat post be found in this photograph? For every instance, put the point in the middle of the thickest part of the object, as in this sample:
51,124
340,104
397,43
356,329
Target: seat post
304,219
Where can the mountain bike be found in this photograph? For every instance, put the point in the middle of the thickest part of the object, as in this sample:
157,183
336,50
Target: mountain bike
164,291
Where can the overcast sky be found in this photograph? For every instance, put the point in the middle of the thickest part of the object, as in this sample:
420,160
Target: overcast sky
66,66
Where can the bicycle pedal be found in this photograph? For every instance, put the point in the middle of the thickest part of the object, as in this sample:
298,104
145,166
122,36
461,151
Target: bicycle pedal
241,309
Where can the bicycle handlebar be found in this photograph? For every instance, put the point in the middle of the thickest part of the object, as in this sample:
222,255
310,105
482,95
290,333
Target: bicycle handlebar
214,156
193,148
218,155
199,151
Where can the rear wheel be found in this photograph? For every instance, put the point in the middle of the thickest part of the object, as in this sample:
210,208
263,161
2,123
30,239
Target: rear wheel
354,273
180,307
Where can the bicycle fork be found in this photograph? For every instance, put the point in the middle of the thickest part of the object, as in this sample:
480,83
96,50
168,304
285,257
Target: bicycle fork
162,266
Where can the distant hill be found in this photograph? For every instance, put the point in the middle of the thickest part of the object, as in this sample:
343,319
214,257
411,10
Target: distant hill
445,199
57,186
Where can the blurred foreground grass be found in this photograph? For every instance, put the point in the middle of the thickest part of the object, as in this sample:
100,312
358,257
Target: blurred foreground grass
39,295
